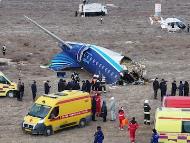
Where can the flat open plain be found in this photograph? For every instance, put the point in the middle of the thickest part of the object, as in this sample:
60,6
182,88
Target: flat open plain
166,55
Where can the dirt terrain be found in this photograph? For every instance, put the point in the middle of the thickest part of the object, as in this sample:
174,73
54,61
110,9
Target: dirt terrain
126,29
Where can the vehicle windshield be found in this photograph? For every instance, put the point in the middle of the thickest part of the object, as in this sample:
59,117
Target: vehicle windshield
39,111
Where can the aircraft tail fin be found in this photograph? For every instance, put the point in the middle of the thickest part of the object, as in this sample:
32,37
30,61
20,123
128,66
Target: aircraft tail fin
48,32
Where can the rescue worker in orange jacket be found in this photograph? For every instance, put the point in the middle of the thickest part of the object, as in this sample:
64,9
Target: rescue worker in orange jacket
133,125
121,118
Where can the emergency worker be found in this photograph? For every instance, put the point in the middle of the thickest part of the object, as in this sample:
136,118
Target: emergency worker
98,136
121,118
181,87
93,82
98,104
133,126
155,136
76,86
47,87
104,111
93,108
18,89
103,83
174,88
97,85
88,86
34,90
186,88
60,85
83,88
146,112
4,50
112,109
21,91
163,88
156,86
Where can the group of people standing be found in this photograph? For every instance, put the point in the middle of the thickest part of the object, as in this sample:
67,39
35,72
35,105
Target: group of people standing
183,88
99,108
97,84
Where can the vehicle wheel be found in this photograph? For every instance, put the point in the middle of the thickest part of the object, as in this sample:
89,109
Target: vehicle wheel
10,94
82,123
48,131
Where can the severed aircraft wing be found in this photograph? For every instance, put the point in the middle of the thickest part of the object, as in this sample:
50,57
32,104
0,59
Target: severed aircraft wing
48,32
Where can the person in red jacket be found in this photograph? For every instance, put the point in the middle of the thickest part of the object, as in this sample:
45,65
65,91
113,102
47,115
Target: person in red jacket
133,125
121,118
98,104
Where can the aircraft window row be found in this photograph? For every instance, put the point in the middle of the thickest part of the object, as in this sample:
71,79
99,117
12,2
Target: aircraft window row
98,64
88,56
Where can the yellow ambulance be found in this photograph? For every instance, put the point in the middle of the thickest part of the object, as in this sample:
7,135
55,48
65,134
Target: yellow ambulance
57,111
7,87
173,125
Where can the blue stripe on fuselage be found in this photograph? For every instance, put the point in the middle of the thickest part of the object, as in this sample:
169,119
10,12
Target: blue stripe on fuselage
107,58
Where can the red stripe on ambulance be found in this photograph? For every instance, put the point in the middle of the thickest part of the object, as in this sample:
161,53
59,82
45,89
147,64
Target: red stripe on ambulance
74,99
5,86
72,114
172,118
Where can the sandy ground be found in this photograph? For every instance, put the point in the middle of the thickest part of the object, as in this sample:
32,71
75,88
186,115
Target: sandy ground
166,55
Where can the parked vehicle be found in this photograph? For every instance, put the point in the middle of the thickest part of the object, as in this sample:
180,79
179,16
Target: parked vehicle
93,9
176,102
57,111
7,87
173,124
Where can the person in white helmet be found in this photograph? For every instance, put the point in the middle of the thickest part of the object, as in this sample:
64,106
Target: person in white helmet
146,112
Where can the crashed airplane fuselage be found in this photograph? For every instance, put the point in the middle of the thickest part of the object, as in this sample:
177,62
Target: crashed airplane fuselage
94,59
